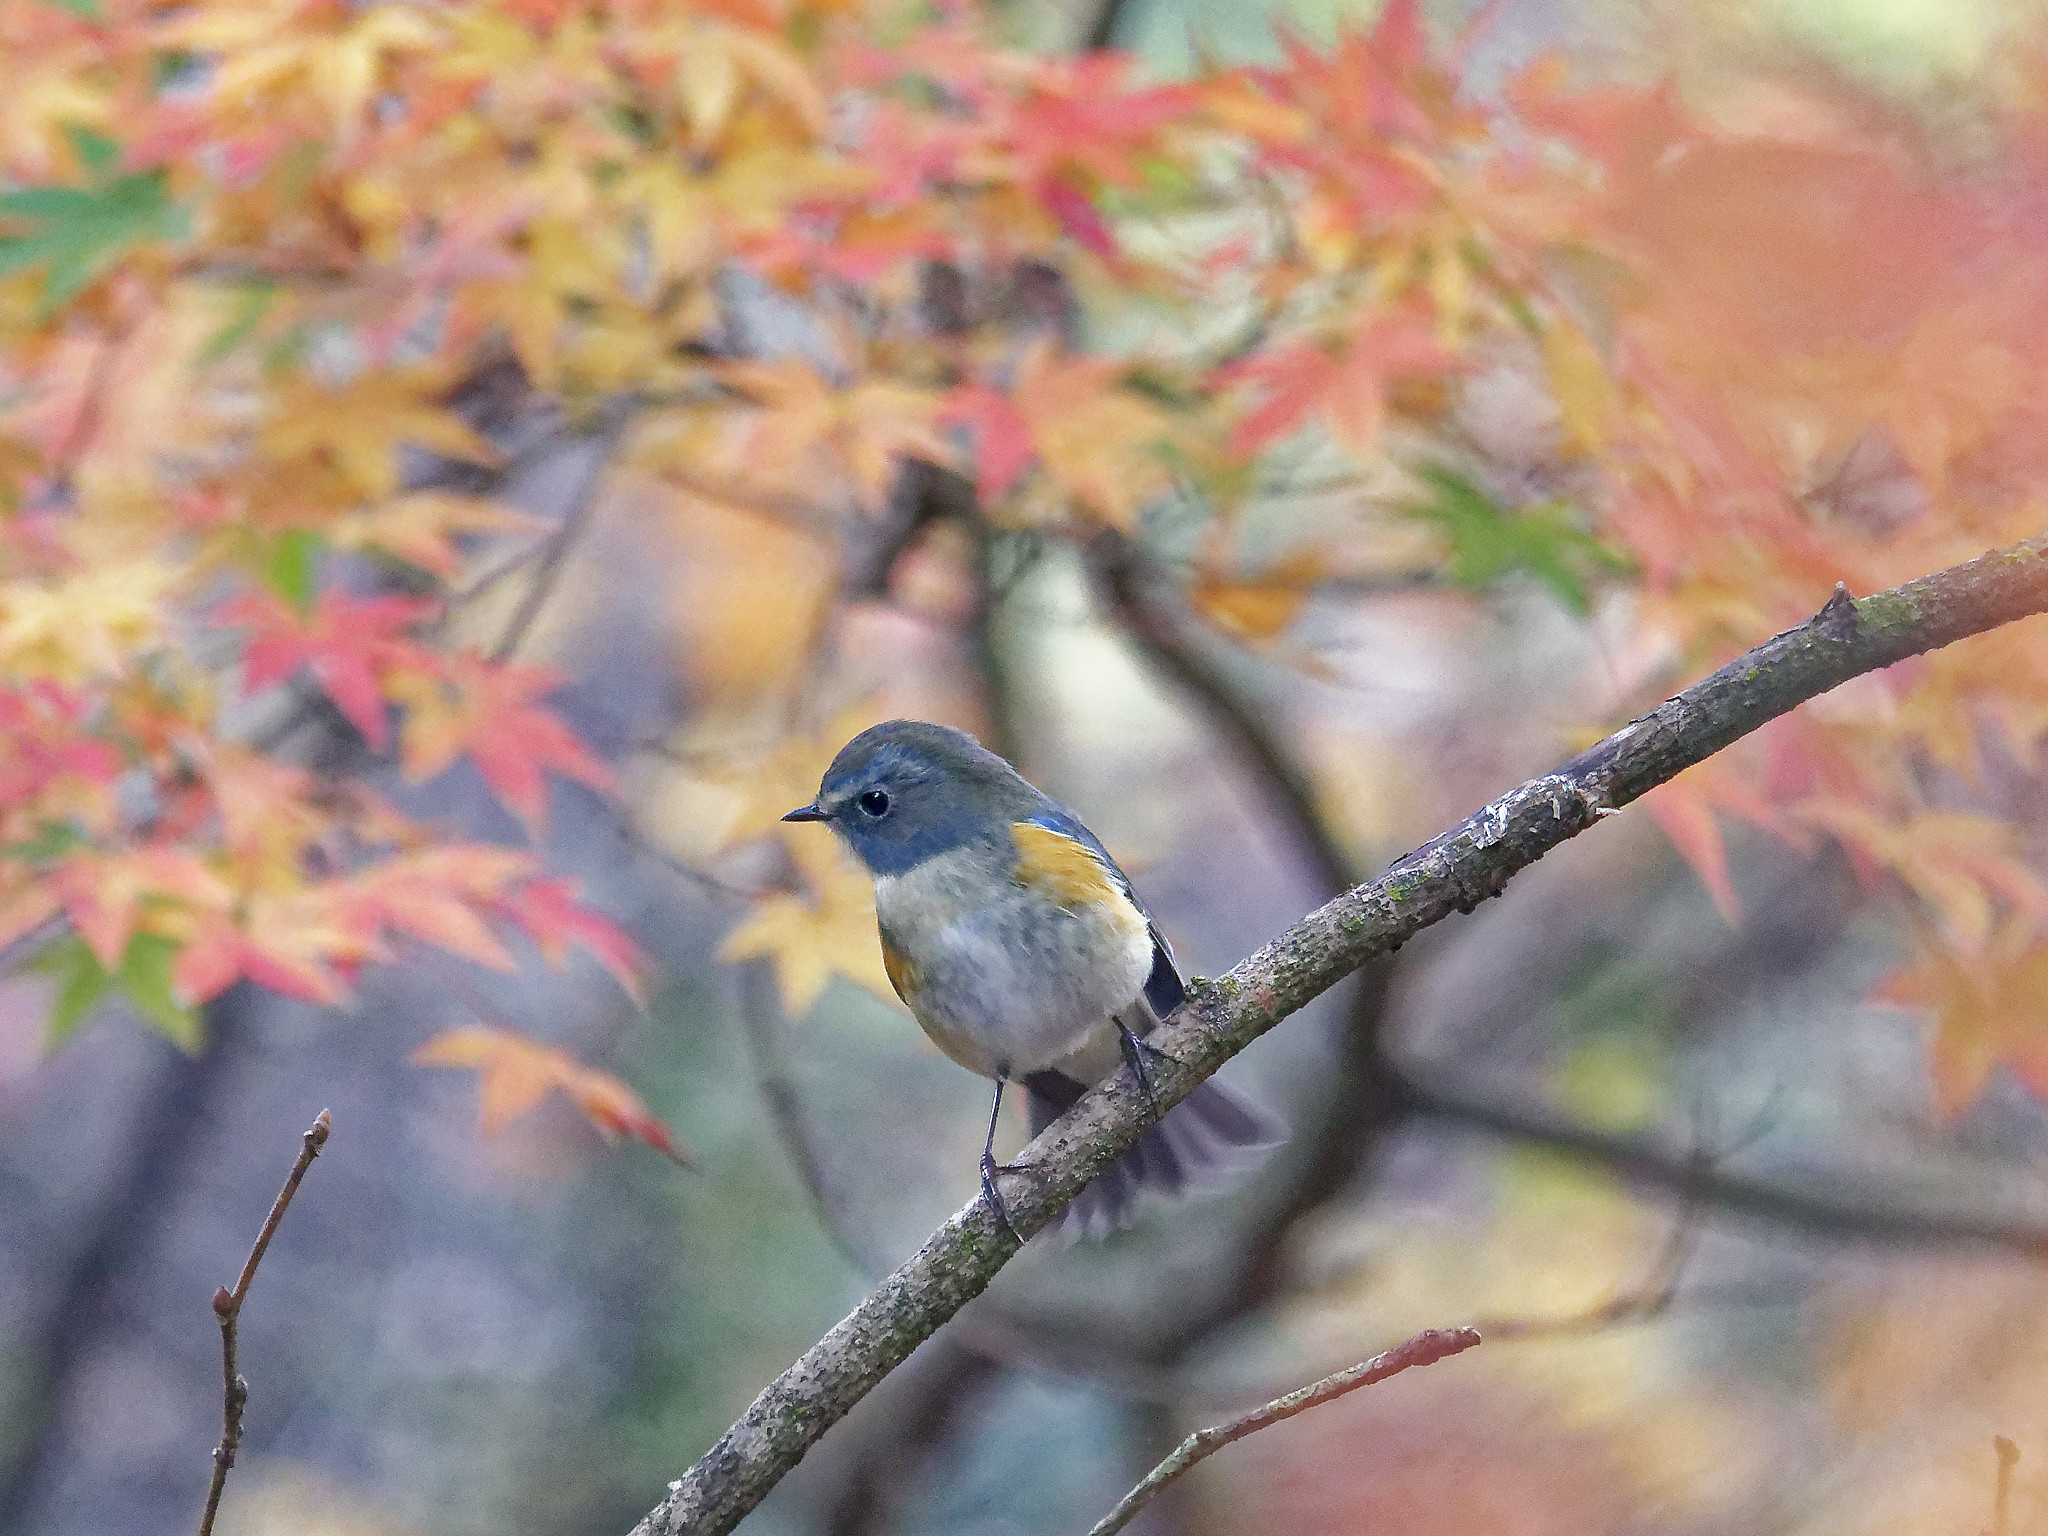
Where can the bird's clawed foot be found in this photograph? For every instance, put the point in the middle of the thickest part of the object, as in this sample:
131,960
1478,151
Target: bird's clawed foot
989,1169
1135,1050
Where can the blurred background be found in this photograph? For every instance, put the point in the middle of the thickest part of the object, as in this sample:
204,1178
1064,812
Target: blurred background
1279,436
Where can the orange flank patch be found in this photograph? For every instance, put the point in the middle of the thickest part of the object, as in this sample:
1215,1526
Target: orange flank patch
1055,865
902,974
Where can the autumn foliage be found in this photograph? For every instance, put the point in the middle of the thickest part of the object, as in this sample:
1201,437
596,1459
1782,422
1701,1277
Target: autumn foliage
1684,362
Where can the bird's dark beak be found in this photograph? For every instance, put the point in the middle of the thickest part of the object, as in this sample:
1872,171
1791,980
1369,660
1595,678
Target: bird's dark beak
806,813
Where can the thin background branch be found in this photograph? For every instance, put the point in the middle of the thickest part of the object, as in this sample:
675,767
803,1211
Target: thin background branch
227,1307
1425,1348
602,447
1872,1216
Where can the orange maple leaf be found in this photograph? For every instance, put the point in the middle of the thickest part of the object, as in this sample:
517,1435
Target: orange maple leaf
1095,437
864,432
515,1073
469,707
1260,607
107,895
423,896
339,447
1986,1006
288,943
1689,811
1965,867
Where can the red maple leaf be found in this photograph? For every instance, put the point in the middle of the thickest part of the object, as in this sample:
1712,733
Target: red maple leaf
1345,385
1082,116
45,736
346,643
1002,437
553,914
441,896
224,953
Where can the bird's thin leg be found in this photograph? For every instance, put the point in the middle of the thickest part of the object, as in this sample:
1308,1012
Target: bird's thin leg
1134,1051
989,1166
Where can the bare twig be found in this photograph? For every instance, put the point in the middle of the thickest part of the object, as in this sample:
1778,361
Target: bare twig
1654,1296
1453,873
1425,1348
227,1307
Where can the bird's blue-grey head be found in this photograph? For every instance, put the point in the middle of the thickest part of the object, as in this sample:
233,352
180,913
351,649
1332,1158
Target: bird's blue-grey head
904,791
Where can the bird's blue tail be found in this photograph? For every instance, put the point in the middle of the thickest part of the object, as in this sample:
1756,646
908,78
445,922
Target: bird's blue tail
1212,1134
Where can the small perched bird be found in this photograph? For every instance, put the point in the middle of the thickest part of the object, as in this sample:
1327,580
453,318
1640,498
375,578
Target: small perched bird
1010,933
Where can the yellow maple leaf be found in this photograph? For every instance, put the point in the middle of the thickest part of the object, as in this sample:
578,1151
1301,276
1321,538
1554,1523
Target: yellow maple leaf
811,938
719,66
269,55
803,427
1581,384
93,623
339,445
423,528
766,783
36,110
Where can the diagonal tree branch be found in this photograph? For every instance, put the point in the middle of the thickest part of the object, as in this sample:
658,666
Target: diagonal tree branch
1454,873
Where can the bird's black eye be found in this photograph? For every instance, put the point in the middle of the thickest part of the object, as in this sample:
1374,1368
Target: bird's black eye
875,803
